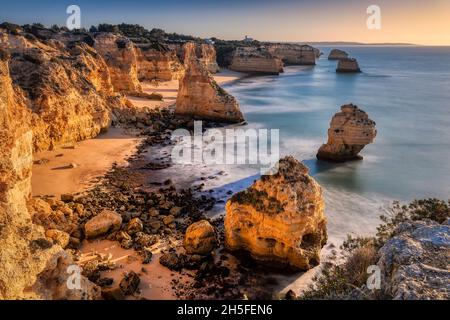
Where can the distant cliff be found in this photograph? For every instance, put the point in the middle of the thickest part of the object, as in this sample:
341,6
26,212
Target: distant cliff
255,60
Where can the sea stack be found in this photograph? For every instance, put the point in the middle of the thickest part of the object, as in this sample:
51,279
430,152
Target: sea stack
200,97
280,218
348,65
337,54
350,131
255,60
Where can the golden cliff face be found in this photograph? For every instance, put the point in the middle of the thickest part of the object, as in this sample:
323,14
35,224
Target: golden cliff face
350,131
120,55
158,64
67,87
207,56
280,218
255,60
200,97
294,54
26,256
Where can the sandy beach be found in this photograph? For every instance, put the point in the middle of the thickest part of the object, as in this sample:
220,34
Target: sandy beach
94,157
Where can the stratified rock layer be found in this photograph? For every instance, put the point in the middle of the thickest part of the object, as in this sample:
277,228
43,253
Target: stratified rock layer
348,65
415,262
67,87
293,54
121,57
350,131
255,60
337,54
31,265
280,218
160,64
207,55
200,97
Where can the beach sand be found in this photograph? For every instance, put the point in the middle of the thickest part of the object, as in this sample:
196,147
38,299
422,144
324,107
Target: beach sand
92,158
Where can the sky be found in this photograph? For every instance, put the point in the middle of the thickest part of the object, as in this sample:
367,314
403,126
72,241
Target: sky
424,22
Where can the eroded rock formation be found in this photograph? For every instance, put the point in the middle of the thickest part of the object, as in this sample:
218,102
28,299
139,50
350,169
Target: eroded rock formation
67,87
200,97
255,60
120,55
160,64
207,55
415,262
293,54
348,65
31,265
350,131
280,218
337,54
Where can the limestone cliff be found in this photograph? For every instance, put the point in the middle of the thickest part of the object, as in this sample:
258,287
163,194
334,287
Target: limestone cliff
207,56
160,64
67,86
200,97
350,131
337,54
293,54
255,60
27,257
120,55
348,65
280,218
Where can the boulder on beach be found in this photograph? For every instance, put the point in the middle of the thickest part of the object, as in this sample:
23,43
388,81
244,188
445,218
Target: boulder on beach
106,221
350,131
337,54
200,238
280,218
348,65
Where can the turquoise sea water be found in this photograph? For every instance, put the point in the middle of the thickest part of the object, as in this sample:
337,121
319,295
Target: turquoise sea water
406,90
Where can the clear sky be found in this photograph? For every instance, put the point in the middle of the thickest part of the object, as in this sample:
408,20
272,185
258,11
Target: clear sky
412,21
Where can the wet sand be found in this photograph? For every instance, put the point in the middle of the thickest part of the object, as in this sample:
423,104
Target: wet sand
156,280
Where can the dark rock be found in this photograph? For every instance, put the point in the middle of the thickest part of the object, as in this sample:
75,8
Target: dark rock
130,283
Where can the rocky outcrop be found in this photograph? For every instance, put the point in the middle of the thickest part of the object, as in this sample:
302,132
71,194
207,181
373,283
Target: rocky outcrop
256,60
350,131
28,259
337,54
67,87
293,54
348,65
280,218
158,63
120,55
207,56
415,262
200,238
200,97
